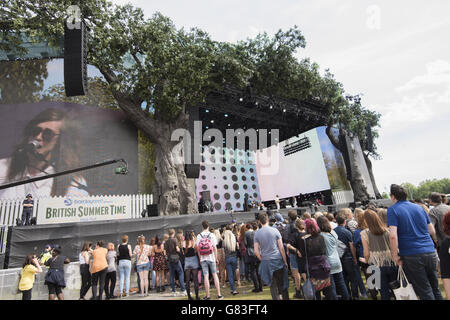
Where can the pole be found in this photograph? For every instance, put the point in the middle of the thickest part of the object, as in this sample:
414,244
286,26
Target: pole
100,164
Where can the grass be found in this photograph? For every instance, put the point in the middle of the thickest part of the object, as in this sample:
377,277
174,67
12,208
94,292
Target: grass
245,292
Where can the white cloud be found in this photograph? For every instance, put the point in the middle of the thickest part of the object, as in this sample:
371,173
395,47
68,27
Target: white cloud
438,73
422,98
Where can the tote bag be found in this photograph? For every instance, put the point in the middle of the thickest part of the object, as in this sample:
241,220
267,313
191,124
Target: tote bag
405,290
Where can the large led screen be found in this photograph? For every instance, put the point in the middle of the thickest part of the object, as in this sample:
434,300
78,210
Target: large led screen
292,167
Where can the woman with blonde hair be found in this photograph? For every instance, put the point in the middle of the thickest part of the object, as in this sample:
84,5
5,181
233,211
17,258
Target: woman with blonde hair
382,214
124,255
142,252
361,265
377,251
231,247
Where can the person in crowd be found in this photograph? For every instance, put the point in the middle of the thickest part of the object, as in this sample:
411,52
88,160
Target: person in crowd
221,267
410,235
377,251
338,287
207,252
159,264
179,236
231,247
50,144
250,257
314,249
297,269
172,249
277,202
166,270
241,273
437,216
382,214
124,255
292,257
332,221
152,272
54,279
142,251
242,252
27,212
306,215
99,269
444,254
268,247
30,267
420,203
351,223
191,264
85,259
361,225
47,254
348,260
111,272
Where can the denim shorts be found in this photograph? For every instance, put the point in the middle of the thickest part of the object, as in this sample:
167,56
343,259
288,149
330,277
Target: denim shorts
293,261
212,266
143,267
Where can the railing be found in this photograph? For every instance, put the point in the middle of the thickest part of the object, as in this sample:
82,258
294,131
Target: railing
12,209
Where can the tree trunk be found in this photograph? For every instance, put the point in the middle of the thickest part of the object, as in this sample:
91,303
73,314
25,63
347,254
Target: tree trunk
356,181
372,177
171,186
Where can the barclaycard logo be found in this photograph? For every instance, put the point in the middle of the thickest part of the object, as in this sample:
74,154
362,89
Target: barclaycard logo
68,202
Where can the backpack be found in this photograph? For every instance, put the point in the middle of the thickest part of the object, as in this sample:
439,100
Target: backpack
205,246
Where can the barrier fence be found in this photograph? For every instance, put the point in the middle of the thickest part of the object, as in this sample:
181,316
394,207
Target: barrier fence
11,210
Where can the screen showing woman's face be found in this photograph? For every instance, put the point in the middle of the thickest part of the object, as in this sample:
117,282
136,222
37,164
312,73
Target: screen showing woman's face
47,134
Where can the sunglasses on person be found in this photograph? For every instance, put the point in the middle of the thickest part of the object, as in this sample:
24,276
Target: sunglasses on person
47,134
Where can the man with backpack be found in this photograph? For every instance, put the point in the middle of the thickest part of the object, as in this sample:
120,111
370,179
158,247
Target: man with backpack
287,234
207,252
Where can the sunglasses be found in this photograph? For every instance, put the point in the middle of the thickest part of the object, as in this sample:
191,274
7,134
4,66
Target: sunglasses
47,134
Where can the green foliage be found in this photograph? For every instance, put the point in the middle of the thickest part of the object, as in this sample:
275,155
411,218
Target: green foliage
423,190
22,80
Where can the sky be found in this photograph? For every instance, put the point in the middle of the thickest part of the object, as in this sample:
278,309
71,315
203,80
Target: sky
395,53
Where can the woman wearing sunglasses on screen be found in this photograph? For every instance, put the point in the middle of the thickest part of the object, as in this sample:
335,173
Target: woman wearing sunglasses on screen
50,144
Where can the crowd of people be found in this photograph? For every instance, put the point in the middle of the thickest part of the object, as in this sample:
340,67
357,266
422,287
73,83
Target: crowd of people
327,254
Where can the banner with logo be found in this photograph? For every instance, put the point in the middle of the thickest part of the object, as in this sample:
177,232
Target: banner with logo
66,209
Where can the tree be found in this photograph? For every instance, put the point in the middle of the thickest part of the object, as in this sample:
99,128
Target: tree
149,60
22,80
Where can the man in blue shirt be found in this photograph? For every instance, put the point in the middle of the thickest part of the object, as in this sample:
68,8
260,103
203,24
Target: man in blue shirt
412,246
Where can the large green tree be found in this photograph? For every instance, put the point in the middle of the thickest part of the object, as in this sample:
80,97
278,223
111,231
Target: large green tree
148,59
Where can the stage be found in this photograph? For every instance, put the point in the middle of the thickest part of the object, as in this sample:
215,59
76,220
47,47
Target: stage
32,239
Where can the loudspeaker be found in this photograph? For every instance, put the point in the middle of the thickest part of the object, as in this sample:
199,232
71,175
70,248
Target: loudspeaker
152,210
75,60
192,170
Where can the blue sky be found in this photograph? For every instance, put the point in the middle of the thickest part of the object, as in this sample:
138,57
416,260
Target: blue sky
396,53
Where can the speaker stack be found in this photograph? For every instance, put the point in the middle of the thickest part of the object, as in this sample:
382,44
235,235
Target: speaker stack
75,60
152,210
